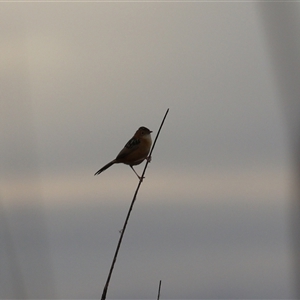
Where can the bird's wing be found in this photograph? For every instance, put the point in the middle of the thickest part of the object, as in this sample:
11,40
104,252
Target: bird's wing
131,146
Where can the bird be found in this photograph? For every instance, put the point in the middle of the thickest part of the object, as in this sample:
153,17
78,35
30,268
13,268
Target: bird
134,152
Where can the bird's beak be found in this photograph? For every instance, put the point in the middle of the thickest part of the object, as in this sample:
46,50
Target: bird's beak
151,131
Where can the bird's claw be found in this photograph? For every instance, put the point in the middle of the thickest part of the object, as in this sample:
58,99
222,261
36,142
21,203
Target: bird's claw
141,178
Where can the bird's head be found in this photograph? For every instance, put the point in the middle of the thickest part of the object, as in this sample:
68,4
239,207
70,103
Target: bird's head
144,131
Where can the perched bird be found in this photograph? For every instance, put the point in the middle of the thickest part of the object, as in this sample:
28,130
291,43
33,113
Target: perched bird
134,152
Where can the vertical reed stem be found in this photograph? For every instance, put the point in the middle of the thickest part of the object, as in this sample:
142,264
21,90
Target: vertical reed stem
129,211
158,295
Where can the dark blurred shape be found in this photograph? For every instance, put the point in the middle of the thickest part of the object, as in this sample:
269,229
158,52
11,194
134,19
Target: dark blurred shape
281,23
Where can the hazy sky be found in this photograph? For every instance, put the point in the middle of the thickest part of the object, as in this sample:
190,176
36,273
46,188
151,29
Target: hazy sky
211,219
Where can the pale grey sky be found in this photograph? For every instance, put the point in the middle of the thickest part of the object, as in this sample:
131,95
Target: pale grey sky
78,79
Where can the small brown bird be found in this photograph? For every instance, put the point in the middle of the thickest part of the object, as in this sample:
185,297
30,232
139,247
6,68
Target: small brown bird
134,152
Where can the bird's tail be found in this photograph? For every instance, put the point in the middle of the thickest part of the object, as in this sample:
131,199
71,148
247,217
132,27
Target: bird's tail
105,167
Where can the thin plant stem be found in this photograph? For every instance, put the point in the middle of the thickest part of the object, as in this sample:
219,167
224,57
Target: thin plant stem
158,295
129,212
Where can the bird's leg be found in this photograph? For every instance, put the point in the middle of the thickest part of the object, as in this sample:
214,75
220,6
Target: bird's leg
149,158
139,177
